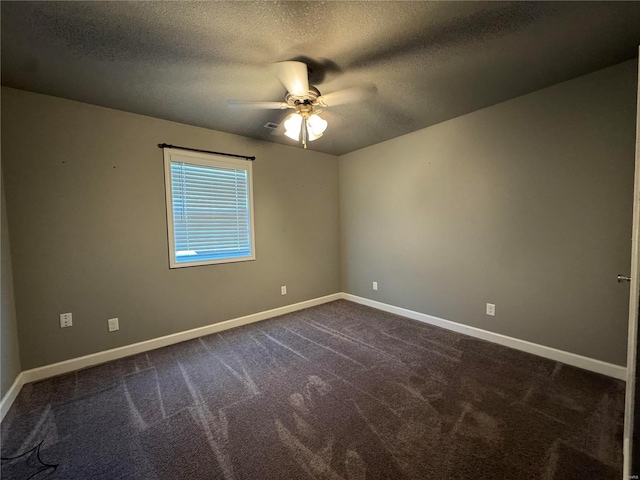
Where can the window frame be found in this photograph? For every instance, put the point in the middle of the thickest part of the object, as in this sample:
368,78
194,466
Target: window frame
173,155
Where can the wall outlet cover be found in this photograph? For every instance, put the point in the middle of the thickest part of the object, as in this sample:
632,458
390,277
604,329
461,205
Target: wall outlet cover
66,320
113,324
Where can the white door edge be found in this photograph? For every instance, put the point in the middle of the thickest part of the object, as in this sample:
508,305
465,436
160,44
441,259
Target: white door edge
633,306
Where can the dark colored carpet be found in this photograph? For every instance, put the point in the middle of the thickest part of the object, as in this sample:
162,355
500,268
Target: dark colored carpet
339,391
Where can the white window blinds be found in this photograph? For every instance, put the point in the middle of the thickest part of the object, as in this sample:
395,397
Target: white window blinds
211,211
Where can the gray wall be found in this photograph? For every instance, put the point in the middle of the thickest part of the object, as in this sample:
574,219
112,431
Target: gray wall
526,204
9,350
86,207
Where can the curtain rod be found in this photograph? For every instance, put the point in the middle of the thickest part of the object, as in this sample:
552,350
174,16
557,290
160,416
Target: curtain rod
166,145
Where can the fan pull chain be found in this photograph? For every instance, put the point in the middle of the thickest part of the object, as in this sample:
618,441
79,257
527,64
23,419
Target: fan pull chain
304,132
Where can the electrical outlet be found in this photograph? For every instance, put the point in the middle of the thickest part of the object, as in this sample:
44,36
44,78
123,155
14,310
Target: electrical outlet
113,324
491,309
375,285
66,320
283,290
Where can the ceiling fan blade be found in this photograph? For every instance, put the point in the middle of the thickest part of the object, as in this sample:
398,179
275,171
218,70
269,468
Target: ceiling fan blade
242,105
294,77
348,95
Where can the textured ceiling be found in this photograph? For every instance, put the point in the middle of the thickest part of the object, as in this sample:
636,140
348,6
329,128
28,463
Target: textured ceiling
429,61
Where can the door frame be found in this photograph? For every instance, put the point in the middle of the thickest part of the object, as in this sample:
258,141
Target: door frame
634,292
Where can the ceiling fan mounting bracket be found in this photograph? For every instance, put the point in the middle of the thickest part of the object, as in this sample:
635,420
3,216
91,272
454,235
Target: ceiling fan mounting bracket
310,98
305,105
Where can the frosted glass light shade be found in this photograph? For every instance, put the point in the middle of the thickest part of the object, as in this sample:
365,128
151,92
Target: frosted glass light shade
293,134
292,126
316,125
312,136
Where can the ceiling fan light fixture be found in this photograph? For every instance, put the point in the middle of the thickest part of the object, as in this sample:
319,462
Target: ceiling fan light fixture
309,127
304,125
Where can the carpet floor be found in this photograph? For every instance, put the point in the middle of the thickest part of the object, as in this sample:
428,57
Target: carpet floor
338,391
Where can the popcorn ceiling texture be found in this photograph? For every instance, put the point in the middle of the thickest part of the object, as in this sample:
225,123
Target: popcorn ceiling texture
430,61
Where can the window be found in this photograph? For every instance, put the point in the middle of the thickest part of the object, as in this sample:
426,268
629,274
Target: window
209,208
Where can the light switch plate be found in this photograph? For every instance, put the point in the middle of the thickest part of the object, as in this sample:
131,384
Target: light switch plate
491,309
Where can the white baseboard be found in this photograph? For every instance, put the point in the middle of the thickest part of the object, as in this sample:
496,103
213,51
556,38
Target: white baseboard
586,363
79,363
10,396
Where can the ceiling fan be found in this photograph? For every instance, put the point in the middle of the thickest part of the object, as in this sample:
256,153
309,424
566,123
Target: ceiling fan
307,102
